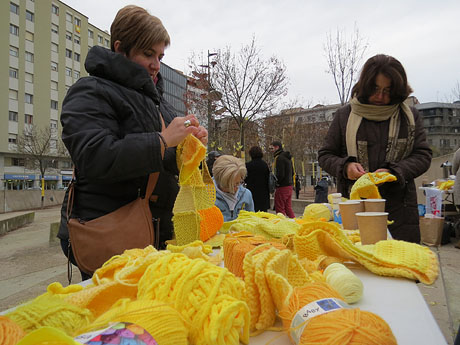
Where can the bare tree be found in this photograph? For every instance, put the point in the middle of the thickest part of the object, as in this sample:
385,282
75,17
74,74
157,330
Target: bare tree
249,86
343,58
40,148
456,92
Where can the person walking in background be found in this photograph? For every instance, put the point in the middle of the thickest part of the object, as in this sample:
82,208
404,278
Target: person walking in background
378,132
231,196
321,190
257,179
297,186
118,128
284,174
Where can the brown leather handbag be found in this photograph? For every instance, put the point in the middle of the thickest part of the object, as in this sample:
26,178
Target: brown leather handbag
95,241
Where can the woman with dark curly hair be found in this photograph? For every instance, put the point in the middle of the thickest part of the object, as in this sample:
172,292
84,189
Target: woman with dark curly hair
379,132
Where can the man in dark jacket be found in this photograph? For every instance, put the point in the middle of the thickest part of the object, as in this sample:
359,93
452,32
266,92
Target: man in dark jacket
284,174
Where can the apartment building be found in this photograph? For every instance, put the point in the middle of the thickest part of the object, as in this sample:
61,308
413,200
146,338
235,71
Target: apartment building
442,125
45,43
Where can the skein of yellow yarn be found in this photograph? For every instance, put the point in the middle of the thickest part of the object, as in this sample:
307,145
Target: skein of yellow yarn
210,298
162,321
10,332
342,326
344,281
53,311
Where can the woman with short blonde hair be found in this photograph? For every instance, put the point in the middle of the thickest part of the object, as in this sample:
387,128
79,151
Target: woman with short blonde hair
231,196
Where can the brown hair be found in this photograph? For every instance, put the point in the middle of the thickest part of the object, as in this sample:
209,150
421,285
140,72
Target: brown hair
137,29
390,68
256,152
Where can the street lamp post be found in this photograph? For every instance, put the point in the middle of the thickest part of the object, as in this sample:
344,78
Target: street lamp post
209,108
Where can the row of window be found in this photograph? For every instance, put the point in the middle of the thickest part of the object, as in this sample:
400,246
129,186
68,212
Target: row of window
14,30
15,52
14,8
29,119
76,56
29,99
54,65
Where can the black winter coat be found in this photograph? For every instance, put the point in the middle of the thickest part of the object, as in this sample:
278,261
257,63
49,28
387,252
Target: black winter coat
257,183
401,197
283,168
110,124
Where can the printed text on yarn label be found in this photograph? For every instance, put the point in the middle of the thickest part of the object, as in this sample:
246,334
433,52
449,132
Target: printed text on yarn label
319,307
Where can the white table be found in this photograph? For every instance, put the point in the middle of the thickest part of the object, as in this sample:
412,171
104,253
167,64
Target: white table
398,301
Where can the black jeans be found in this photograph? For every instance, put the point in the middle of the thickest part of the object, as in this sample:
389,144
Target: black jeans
65,245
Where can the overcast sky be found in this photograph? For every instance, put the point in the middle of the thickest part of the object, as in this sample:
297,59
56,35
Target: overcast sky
424,35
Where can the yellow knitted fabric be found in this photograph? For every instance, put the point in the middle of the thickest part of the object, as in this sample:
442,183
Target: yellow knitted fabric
366,185
210,298
262,223
195,216
269,277
387,258
283,272
237,245
194,250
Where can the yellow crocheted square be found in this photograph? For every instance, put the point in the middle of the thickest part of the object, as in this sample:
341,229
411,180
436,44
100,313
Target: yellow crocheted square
366,185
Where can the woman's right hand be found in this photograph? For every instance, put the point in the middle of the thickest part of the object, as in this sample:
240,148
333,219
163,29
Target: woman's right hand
177,131
355,171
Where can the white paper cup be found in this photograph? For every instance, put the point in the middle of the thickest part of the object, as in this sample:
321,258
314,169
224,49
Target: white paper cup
372,226
348,209
374,205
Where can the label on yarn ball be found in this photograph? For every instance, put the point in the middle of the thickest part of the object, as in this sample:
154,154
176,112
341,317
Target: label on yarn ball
319,307
117,333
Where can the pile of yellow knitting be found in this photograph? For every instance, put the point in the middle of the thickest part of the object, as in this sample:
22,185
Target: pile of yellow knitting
386,258
208,300
262,223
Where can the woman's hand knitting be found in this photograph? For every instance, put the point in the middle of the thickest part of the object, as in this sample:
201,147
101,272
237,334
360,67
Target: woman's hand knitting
355,171
177,130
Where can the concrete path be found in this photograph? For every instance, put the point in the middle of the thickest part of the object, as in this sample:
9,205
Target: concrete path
29,263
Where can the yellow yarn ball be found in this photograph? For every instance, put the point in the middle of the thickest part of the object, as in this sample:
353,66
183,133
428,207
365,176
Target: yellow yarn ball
210,298
162,321
317,211
344,281
53,311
